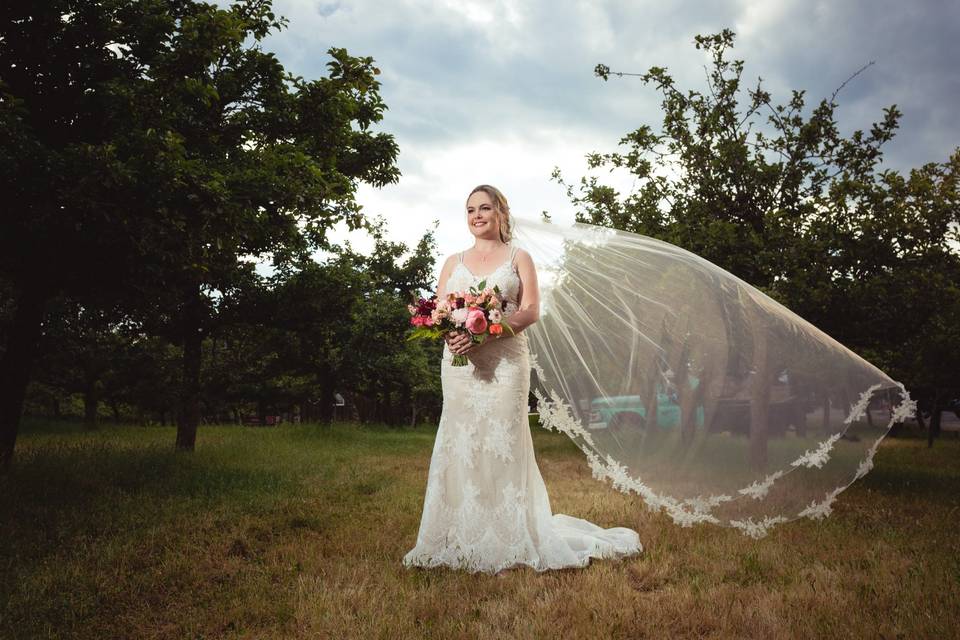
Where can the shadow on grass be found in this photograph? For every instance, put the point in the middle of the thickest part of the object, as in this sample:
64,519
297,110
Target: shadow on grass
66,479
69,474
63,491
926,483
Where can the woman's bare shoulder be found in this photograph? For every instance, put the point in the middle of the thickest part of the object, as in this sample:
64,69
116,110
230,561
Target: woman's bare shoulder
523,256
449,264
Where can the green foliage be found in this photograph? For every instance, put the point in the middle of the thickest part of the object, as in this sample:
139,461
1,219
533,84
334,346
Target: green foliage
149,150
776,194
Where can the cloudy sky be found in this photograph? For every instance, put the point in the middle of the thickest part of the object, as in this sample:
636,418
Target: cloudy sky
502,92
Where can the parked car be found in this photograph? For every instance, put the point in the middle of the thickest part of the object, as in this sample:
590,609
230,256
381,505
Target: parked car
730,413
620,412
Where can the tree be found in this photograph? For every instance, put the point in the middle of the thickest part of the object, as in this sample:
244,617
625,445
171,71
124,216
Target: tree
63,99
341,324
258,162
82,350
777,195
152,148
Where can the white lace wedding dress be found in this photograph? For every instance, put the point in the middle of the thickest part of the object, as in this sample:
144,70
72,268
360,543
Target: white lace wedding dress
486,506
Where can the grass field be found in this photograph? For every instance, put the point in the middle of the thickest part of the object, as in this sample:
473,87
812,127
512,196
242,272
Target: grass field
298,532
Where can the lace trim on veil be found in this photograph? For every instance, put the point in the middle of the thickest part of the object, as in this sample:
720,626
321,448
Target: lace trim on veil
556,415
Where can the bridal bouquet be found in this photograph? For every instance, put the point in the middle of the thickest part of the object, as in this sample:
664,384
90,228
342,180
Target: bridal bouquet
478,312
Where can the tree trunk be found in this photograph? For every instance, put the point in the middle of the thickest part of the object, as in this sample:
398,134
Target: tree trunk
759,404
326,398
189,418
897,427
388,415
691,399
91,404
920,420
800,422
686,398
936,411
15,366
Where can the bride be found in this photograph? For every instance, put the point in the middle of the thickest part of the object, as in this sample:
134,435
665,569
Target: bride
486,506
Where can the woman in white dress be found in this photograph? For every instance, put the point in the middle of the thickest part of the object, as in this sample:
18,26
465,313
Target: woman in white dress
486,506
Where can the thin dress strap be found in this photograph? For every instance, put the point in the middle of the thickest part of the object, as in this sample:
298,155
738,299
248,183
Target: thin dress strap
460,257
513,254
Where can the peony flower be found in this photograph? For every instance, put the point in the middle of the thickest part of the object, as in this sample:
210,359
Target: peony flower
459,316
476,321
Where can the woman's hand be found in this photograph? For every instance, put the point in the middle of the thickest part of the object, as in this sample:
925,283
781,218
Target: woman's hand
459,342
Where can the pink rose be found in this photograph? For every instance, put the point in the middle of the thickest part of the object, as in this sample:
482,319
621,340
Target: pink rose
476,321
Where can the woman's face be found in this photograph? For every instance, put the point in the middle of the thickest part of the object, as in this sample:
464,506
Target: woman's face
482,216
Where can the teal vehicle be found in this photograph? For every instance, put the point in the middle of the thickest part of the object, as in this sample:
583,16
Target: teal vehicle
618,412
786,409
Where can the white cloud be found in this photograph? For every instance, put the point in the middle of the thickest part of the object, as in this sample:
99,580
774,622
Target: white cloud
520,166
501,92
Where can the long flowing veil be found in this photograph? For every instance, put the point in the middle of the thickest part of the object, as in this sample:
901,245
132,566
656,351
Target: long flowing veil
689,387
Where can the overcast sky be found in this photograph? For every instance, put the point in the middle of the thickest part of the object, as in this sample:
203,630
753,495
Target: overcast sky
502,92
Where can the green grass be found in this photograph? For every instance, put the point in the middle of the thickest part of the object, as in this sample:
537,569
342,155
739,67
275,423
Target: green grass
299,531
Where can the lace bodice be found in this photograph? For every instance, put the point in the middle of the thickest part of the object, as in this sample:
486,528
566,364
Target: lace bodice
505,276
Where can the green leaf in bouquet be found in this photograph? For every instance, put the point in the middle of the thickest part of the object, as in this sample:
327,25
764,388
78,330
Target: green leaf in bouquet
424,332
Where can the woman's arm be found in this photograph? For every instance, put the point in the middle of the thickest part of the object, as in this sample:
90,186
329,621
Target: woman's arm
529,309
444,276
454,340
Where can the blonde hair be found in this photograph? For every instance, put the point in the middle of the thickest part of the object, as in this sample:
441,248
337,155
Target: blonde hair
502,207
